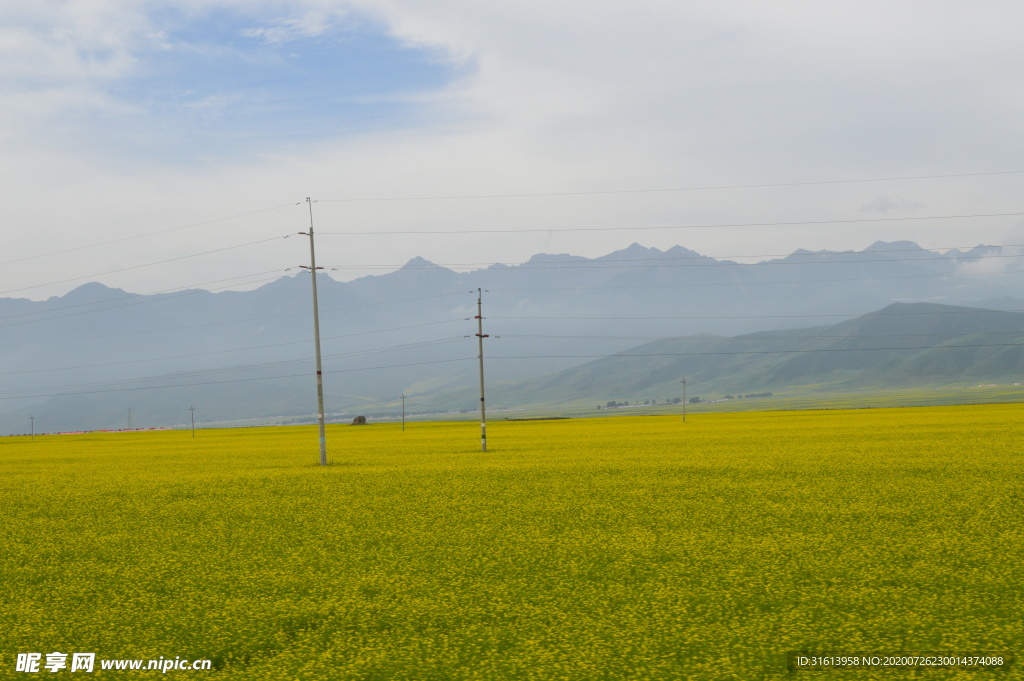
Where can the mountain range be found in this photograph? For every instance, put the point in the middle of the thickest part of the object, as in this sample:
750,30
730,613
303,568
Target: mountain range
82,360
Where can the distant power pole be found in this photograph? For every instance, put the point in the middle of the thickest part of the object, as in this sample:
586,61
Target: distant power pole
480,335
316,337
683,381
403,411
33,420
193,410
129,418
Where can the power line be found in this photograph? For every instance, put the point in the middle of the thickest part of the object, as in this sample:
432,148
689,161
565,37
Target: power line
148,264
762,352
672,189
428,343
147,234
397,366
237,380
654,262
343,355
241,367
466,359
513,195
754,282
252,319
187,289
63,388
199,326
695,226
134,302
768,316
755,337
215,352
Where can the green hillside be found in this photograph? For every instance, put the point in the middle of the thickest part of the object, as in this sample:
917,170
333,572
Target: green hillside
898,346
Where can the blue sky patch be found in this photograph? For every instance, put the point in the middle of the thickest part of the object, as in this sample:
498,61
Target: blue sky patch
227,83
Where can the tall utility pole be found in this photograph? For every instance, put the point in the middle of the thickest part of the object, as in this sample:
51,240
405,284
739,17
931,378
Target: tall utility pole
480,335
403,411
683,381
33,420
316,337
193,410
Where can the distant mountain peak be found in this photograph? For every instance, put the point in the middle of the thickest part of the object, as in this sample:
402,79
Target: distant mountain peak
92,292
981,249
293,281
804,251
892,246
637,247
681,251
554,257
634,250
419,263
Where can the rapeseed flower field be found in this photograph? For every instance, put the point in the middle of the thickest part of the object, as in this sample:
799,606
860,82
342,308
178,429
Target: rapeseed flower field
614,548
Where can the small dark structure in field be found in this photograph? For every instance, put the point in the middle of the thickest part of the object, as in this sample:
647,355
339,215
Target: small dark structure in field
359,421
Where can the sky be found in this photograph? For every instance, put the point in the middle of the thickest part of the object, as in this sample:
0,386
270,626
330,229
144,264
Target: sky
154,145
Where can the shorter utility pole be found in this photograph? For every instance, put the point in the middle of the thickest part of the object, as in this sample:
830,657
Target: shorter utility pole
129,418
33,420
193,410
683,381
480,335
403,411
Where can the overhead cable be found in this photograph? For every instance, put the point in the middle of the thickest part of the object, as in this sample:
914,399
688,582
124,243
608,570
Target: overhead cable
145,234
760,352
765,316
669,189
236,380
795,223
148,264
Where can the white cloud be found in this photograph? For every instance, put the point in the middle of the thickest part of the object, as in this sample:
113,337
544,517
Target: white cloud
1008,260
887,204
568,96
308,24
49,42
